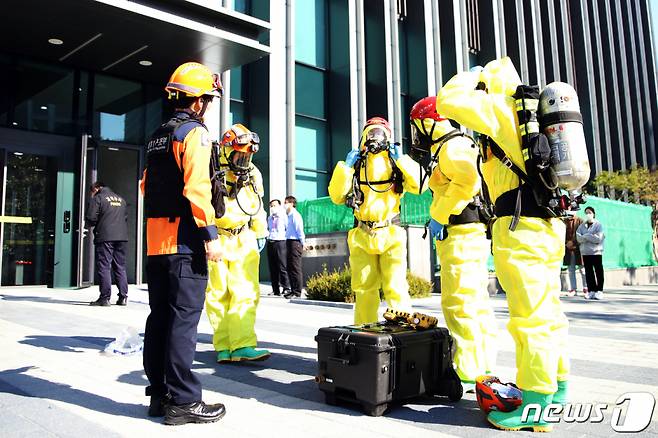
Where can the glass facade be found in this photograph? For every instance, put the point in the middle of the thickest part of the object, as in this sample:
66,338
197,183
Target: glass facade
28,242
237,110
59,100
312,152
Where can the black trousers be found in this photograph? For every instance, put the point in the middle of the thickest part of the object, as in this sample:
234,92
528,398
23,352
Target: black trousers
593,272
277,259
295,249
111,265
177,289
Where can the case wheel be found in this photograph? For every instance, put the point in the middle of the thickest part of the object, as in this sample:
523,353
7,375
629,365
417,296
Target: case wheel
374,410
455,391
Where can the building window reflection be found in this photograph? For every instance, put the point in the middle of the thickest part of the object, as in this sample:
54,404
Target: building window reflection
42,97
118,110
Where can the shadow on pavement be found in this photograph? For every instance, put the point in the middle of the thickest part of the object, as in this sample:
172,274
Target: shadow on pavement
43,300
617,317
293,376
41,388
69,344
464,413
205,338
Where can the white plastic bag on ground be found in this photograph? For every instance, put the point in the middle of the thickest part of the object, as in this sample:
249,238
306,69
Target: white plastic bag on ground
128,342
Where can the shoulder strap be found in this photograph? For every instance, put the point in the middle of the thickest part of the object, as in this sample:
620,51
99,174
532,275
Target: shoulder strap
507,161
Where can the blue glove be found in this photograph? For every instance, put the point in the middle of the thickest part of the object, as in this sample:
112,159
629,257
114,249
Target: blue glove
396,151
261,244
437,230
351,158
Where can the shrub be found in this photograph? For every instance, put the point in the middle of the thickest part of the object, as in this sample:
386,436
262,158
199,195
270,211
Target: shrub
336,286
330,286
419,287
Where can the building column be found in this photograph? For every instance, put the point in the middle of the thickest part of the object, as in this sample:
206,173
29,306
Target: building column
648,81
552,29
290,97
281,145
538,43
602,82
461,39
615,83
356,29
392,67
566,32
636,83
225,102
499,28
624,80
590,78
523,50
433,40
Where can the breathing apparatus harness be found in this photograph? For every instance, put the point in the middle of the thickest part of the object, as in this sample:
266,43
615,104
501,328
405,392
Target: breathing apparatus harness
538,194
479,209
357,196
218,170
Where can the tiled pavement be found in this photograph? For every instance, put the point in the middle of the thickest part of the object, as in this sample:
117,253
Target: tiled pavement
54,381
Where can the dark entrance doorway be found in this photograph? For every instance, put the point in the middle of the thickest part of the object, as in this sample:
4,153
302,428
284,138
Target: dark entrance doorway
28,229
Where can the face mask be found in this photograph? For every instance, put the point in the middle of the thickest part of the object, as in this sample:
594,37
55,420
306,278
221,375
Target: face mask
376,141
275,211
589,217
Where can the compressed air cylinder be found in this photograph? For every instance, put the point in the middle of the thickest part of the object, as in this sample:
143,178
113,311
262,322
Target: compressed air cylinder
560,120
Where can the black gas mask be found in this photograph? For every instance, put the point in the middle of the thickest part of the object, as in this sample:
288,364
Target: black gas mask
376,141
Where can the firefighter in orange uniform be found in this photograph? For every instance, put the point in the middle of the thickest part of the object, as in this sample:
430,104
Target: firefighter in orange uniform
181,237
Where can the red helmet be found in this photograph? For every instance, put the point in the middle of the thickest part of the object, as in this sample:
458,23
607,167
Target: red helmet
378,121
494,395
425,108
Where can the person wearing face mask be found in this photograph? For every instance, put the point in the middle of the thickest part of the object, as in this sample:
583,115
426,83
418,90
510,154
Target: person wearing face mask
295,238
233,289
371,180
276,248
590,237
572,257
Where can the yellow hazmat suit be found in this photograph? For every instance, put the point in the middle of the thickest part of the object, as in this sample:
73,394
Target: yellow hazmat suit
462,254
378,253
233,289
527,260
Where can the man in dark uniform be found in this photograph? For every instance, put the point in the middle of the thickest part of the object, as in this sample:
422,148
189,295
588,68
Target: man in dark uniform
181,237
106,212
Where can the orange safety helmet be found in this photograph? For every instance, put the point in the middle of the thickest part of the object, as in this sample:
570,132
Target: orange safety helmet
378,121
492,394
193,79
238,145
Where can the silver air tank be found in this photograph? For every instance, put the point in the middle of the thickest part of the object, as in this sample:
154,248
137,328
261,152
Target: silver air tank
560,120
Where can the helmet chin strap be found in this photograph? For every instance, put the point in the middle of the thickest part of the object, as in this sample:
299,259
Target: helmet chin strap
204,106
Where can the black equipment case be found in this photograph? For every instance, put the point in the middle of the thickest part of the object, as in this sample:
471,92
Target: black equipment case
376,364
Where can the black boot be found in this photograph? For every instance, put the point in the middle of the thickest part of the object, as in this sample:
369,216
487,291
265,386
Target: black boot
122,301
197,412
158,405
100,302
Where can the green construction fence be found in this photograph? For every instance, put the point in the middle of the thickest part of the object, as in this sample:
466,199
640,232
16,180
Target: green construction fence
627,227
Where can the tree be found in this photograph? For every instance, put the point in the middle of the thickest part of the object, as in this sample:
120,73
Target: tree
638,183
